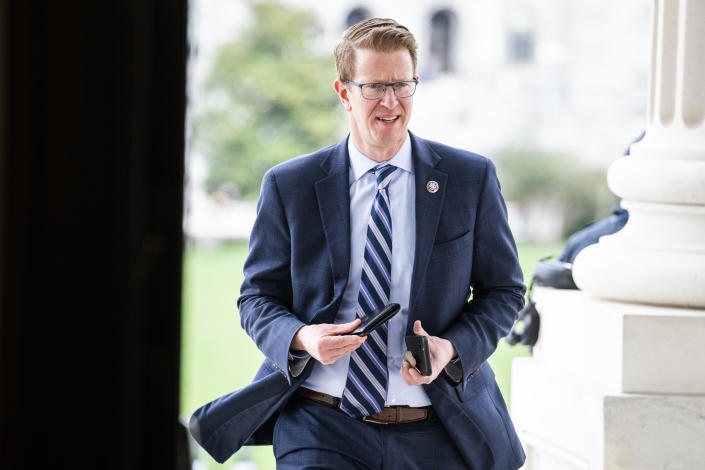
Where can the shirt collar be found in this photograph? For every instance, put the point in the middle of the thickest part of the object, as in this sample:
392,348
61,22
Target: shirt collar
361,164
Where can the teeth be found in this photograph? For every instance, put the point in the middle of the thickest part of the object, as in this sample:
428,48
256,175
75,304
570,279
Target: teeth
388,119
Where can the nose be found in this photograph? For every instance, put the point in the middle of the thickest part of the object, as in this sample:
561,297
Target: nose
389,99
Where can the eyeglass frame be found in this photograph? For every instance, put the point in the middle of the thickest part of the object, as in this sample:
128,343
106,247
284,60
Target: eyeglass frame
415,81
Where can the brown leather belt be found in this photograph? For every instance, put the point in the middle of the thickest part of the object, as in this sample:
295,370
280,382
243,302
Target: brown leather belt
389,415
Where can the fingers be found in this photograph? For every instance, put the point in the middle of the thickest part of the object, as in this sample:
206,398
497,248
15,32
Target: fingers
412,376
342,342
332,348
346,349
409,357
418,329
405,375
342,328
332,355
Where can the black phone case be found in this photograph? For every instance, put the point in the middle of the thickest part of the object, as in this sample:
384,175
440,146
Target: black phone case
371,322
418,345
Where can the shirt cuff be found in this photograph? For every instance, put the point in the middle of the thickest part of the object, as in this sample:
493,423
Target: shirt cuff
454,370
297,362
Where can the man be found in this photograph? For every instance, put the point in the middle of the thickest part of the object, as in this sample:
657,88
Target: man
383,216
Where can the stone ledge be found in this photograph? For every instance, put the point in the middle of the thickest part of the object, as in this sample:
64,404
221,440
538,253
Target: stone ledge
573,423
556,414
622,347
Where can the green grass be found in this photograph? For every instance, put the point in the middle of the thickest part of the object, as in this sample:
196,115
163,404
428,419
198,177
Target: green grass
218,357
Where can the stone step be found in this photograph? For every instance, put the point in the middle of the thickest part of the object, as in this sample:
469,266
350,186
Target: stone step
567,422
623,347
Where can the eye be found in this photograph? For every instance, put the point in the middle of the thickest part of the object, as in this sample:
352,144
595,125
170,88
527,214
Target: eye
374,86
401,86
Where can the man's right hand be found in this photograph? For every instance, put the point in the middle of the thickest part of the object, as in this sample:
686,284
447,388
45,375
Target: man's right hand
324,341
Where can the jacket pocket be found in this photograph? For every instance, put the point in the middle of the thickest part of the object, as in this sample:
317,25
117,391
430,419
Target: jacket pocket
448,249
475,383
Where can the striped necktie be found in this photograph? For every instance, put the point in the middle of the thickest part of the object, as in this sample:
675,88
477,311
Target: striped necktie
366,385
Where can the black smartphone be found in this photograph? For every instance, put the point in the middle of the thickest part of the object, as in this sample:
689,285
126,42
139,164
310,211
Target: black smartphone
371,322
418,346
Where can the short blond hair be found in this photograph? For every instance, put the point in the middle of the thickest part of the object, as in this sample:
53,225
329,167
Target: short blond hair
378,34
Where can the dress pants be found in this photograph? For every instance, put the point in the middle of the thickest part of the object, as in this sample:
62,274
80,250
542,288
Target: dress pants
310,435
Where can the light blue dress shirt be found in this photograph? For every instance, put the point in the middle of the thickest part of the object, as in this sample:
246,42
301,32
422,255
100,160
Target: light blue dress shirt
331,378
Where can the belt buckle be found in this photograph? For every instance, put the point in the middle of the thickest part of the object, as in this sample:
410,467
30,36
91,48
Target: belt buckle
368,419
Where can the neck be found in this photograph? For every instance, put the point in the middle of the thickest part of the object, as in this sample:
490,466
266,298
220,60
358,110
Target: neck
378,154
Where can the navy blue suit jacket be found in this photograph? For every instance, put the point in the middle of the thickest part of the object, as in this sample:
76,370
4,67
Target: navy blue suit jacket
466,286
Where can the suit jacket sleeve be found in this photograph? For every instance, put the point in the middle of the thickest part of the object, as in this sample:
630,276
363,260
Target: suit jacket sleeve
497,282
266,296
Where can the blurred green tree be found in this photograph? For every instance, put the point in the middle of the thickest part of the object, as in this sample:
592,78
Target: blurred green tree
269,97
529,175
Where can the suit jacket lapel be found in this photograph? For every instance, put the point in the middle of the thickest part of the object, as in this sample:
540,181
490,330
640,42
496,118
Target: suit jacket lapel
428,214
333,194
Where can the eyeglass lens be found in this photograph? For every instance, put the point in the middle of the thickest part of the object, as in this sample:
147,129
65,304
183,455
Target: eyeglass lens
374,91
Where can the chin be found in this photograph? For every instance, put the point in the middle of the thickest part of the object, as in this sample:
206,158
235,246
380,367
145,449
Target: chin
392,134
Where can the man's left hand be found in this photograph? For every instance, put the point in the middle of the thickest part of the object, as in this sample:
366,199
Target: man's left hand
441,351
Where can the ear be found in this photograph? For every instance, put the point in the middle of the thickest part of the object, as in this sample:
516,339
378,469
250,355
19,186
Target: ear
343,94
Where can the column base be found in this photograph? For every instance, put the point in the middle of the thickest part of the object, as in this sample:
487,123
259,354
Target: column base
614,270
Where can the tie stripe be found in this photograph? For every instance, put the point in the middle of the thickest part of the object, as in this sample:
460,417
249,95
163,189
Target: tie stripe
379,294
364,390
350,403
376,260
375,283
374,351
382,217
369,375
366,386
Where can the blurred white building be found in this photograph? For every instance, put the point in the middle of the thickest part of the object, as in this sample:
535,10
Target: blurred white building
567,75
561,75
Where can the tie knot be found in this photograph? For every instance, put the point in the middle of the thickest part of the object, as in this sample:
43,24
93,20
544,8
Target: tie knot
384,175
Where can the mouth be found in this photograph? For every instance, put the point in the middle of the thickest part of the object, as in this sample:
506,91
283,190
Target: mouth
388,119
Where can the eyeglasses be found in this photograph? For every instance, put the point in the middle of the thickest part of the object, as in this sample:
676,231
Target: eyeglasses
375,91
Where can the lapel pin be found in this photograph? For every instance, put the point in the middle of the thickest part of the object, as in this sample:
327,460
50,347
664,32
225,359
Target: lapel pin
432,187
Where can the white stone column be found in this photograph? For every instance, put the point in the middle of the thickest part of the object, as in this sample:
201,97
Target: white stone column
617,379
659,256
